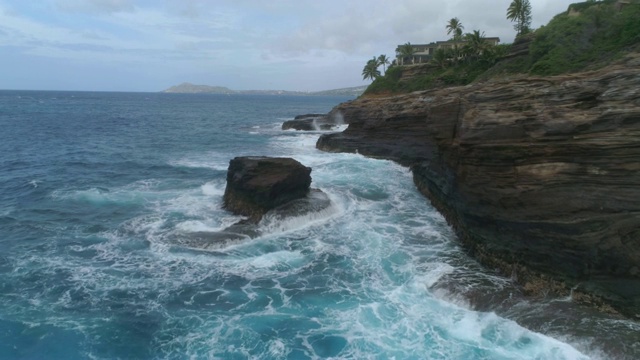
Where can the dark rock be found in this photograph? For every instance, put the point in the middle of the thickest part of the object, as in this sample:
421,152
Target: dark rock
210,240
540,177
256,185
307,116
316,205
315,122
309,122
267,190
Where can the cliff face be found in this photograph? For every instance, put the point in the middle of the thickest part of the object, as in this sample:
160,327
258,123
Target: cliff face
540,177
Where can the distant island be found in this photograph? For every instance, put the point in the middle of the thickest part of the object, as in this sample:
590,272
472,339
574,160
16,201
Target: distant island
188,88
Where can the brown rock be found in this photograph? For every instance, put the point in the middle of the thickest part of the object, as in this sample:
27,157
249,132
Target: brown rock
256,185
537,175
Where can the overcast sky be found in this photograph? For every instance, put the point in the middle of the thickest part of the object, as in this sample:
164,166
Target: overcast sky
149,45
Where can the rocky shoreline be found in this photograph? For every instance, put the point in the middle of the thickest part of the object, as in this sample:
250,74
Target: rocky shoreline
540,177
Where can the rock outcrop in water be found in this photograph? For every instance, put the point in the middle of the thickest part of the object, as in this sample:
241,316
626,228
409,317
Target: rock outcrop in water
258,184
309,122
273,193
540,177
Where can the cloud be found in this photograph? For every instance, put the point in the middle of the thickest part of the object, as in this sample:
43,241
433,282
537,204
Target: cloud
96,6
148,34
21,31
363,28
248,40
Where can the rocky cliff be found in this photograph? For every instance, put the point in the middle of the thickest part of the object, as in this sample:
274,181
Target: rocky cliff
540,177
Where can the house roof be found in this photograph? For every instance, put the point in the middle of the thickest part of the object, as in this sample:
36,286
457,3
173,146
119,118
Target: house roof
441,42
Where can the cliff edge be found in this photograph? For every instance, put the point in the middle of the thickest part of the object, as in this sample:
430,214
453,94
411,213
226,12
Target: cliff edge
540,176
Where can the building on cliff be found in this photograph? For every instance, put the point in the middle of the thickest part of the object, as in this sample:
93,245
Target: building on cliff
424,52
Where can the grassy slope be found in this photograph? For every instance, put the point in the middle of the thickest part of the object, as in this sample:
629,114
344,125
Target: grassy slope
593,38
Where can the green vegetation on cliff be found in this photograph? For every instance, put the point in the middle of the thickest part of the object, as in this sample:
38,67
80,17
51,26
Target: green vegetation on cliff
430,76
588,35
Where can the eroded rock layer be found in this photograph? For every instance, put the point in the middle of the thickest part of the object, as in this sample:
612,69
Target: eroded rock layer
539,176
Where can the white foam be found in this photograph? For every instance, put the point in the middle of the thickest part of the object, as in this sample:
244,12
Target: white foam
435,272
305,142
145,224
278,350
196,226
277,225
506,338
201,163
193,203
209,160
138,192
95,195
282,257
213,188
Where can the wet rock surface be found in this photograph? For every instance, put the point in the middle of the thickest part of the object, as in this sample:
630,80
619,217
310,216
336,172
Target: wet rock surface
258,184
315,205
540,177
309,122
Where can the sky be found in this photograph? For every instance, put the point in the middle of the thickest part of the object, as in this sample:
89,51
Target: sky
297,45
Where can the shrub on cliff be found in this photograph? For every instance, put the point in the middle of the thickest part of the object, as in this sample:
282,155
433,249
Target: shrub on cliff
428,77
578,40
386,83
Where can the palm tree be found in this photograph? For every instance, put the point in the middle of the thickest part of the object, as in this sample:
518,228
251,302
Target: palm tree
405,51
476,44
442,56
384,61
519,11
455,26
370,70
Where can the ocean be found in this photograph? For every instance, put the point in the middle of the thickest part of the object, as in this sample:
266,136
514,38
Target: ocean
100,193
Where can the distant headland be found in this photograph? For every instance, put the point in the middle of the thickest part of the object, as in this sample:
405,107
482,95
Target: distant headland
188,88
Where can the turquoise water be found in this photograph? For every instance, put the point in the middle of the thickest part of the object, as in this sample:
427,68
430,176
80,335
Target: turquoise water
98,192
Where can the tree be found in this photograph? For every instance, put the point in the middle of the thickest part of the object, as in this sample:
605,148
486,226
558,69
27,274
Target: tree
370,70
384,61
442,57
454,26
520,12
476,44
405,51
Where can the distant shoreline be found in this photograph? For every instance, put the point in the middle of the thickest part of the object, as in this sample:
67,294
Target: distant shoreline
187,88
257,92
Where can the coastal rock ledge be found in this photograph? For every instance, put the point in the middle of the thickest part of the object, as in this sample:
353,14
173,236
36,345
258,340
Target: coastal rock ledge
309,122
257,184
540,177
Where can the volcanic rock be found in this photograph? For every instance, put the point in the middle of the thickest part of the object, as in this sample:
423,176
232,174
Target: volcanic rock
256,185
309,122
306,116
540,177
